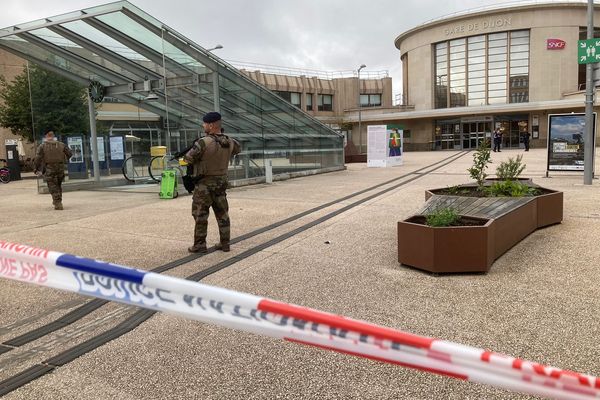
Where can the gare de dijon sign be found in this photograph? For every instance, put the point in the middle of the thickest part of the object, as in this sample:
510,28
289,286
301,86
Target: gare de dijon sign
500,22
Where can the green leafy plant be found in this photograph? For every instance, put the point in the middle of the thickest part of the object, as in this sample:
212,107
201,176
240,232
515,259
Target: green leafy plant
481,159
511,169
442,217
510,189
456,190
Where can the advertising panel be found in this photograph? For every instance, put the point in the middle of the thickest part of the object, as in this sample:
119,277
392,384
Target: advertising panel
384,145
566,141
116,148
76,145
101,149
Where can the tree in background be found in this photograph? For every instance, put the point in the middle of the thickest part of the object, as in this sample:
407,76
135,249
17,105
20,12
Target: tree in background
58,103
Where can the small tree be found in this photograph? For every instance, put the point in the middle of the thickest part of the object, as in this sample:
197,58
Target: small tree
58,103
481,159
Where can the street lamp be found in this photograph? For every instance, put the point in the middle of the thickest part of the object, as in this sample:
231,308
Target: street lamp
216,96
359,110
217,47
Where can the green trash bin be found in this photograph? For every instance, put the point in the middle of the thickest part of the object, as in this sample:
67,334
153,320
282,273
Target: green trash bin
168,184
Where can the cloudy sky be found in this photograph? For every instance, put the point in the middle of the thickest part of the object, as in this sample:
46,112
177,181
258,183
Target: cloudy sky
327,35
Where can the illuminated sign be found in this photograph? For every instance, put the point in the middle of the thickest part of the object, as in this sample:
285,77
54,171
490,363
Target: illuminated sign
555,44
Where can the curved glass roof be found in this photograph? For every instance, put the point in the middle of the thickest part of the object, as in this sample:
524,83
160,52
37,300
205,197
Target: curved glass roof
132,54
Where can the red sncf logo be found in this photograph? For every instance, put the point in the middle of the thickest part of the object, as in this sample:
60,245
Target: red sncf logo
555,44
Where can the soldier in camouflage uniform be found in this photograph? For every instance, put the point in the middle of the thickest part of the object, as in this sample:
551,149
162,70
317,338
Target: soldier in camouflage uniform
50,161
210,159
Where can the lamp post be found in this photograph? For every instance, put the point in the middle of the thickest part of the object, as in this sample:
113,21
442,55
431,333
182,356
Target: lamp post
217,47
359,110
216,95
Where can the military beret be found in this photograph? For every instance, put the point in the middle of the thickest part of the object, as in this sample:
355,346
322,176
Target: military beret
211,117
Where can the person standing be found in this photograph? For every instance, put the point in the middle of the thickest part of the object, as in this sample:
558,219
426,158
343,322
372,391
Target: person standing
526,136
497,139
210,157
49,161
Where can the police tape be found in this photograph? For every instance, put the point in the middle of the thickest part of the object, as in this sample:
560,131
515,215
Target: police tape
293,323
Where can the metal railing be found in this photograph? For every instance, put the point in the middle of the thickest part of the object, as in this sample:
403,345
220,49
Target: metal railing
329,75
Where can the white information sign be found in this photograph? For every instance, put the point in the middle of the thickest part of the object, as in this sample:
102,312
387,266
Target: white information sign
101,151
384,146
75,143
116,148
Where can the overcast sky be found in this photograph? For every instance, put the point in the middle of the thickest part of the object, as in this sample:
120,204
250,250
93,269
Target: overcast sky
328,35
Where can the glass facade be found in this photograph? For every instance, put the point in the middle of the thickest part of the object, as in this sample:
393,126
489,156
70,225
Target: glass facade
134,55
481,70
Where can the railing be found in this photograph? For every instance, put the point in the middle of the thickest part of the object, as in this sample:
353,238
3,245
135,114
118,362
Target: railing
400,100
279,70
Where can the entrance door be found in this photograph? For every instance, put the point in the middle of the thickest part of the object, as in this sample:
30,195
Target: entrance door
474,133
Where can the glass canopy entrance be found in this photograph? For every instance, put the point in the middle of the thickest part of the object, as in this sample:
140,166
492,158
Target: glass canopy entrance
127,56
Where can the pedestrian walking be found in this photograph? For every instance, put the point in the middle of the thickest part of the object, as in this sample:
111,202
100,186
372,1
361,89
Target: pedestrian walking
210,157
49,161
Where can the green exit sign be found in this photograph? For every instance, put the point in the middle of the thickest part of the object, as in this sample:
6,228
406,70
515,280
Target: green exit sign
588,51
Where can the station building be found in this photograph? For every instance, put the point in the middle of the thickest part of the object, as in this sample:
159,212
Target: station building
464,75
468,73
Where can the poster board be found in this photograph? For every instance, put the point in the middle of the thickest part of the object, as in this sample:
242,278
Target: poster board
77,164
75,143
117,151
566,141
385,145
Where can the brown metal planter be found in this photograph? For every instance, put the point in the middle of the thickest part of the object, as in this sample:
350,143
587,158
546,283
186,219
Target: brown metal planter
442,249
474,248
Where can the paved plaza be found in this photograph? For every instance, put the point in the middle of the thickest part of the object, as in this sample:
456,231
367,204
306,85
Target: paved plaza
538,302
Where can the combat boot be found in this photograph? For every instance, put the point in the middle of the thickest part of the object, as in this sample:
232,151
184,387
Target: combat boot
223,246
58,206
199,247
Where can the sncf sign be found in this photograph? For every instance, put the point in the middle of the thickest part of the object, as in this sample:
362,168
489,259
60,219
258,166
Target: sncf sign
555,44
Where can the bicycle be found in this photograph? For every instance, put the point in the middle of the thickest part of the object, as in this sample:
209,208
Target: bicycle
133,168
160,163
4,173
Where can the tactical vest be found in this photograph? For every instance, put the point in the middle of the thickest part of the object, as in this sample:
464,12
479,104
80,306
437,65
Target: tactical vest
215,159
54,152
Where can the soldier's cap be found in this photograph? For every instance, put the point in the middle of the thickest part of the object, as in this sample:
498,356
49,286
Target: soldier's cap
211,117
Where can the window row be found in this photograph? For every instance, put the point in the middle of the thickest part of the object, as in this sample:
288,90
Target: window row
324,101
370,100
478,68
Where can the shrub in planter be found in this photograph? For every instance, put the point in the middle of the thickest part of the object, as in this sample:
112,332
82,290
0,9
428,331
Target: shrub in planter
511,188
443,217
511,169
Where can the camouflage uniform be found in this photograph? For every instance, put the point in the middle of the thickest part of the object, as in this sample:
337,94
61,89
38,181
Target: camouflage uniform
50,160
210,159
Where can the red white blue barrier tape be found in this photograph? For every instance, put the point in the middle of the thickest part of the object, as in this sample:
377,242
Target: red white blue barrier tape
262,316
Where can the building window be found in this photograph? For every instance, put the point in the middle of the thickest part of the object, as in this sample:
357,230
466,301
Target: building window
292,97
476,70
496,67
458,77
370,100
325,102
483,69
309,97
519,67
441,75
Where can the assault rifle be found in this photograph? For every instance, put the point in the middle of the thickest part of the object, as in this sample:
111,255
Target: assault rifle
189,181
